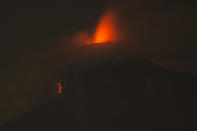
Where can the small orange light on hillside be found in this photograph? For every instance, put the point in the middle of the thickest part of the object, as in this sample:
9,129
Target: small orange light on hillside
59,88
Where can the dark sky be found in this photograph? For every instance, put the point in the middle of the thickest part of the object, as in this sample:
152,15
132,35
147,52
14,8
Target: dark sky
29,25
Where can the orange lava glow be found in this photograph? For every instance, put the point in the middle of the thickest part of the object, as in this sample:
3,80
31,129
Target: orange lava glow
59,88
106,29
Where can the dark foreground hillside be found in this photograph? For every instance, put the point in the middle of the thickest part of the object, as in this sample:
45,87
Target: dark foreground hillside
136,95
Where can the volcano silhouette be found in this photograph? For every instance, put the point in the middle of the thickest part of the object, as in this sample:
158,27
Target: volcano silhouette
128,95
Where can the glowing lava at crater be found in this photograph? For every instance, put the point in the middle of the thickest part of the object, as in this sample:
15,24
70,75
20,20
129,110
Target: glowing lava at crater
106,30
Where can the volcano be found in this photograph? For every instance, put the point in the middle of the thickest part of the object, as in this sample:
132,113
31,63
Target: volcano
128,95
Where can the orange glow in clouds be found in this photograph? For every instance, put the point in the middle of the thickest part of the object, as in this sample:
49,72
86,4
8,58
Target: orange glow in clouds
106,29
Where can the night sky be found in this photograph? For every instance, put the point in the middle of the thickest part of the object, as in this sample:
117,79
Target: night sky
27,26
